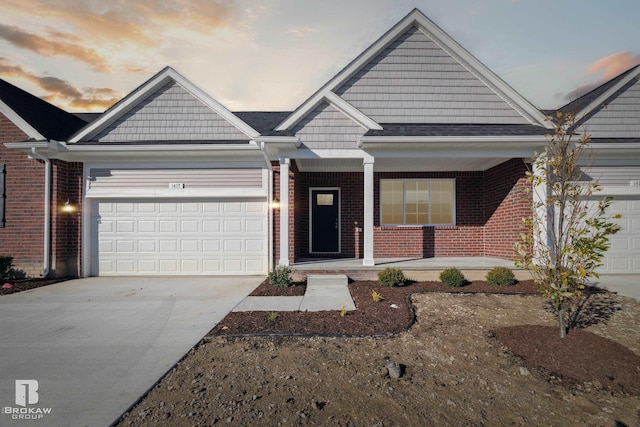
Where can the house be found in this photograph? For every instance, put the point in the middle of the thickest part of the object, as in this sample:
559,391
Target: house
415,149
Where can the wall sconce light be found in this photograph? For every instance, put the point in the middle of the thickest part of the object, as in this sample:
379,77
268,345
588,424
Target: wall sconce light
275,204
68,207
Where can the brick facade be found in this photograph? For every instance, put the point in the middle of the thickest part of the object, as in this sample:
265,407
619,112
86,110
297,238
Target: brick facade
21,237
489,211
23,234
506,205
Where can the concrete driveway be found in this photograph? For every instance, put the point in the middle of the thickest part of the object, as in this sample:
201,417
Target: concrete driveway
627,285
95,345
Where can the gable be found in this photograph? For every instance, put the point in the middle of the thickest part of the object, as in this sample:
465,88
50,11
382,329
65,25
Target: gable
327,127
618,116
416,73
171,113
414,80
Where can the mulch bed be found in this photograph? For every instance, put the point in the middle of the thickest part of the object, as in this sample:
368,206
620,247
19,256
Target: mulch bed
580,357
19,285
392,315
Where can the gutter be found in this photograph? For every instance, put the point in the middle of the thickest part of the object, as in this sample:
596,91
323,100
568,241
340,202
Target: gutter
394,139
47,210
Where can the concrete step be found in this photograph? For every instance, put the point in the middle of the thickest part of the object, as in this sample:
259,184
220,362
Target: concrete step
327,280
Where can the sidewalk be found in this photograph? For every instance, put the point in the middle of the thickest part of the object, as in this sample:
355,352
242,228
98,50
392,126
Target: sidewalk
324,293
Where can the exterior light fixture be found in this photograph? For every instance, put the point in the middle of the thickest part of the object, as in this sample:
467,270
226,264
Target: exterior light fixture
68,207
275,204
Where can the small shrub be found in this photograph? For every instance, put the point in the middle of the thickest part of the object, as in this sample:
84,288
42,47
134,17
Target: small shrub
343,311
376,296
6,267
501,276
391,277
273,315
453,277
281,276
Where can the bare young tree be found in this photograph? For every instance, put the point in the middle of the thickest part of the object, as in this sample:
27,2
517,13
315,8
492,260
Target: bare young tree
567,232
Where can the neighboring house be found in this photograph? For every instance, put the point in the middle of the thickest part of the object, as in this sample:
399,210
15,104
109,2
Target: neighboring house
610,115
415,149
34,122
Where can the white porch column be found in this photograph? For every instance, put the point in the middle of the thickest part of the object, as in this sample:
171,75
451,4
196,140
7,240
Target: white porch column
368,213
545,212
284,212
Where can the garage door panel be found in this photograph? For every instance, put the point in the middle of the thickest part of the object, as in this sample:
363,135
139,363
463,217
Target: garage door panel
211,247
180,237
189,226
125,266
210,226
147,227
254,245
623,255
124,208
149,246
190,245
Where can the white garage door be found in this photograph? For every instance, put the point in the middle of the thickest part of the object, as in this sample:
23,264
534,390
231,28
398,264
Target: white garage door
179,237
624,254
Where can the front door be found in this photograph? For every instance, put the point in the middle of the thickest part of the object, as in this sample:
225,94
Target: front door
325,221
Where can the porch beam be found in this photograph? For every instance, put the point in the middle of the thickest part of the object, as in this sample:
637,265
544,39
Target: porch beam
368,213
284,212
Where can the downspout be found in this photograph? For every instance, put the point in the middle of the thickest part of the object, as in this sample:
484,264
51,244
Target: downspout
47,211
263,149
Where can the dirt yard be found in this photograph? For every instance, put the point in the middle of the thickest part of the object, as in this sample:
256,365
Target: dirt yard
454,372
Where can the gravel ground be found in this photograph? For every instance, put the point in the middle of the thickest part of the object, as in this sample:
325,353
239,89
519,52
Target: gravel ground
453,372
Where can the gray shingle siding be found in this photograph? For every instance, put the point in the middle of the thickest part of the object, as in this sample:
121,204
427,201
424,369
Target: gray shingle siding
415,81
327,127
620,118
170,114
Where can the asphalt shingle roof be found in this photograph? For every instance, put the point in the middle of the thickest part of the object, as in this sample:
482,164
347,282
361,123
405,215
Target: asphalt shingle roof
49,120
263,121
583,101
457,130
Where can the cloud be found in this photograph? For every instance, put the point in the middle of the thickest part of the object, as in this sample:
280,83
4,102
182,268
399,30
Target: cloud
614,65
126,21
61,92
115,34
606,68
300,32
49,46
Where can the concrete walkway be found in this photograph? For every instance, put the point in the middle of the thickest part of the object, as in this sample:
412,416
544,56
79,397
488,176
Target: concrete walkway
324,293
96,345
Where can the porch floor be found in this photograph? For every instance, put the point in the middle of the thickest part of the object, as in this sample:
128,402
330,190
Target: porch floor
437,263
474,268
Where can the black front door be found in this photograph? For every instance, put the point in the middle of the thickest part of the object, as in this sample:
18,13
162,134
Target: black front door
325,221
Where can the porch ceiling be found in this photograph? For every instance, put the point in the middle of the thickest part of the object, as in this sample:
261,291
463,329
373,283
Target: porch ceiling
400,164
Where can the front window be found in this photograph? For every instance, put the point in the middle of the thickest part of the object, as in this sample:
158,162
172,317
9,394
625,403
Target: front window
417,202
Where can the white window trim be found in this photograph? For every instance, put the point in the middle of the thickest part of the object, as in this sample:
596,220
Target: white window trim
429,180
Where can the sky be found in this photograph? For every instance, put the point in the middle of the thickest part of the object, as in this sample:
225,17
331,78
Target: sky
271,55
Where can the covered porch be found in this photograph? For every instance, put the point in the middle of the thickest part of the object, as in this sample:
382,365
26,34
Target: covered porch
483,207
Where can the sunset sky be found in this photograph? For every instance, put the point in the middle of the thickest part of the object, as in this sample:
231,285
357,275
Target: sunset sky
83,55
